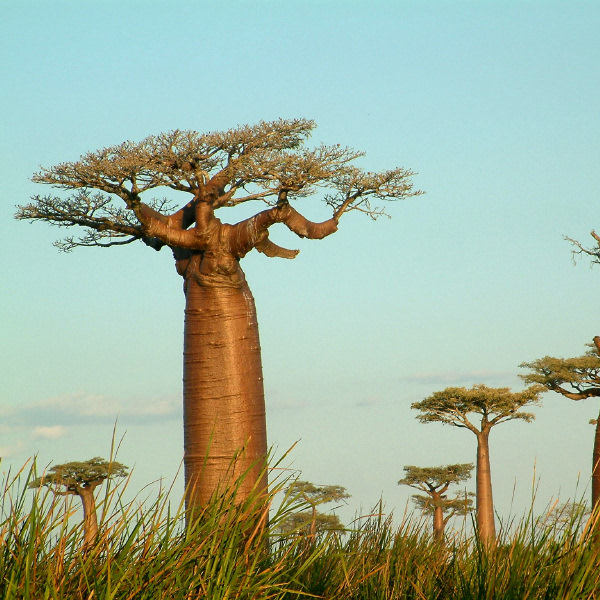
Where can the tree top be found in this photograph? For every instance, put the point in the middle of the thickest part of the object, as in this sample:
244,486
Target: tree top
432,478
317,494
493,405
76,476
267,162
581,374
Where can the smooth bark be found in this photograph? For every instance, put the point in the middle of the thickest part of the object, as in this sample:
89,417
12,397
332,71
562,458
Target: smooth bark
224,409
90,519
485,503
439,524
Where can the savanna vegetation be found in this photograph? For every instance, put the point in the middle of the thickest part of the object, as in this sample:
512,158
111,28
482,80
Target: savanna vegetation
146,550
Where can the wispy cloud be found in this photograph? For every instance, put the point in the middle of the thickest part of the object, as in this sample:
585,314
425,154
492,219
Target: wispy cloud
52,432
46,416
369,402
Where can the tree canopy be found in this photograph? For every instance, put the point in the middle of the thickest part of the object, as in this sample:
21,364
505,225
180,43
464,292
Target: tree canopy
267,162
458,506
493,405
575,378
80,475
428,479
312,521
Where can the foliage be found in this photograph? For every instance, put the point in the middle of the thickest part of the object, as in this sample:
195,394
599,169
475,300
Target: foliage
433,478
76,475
312,522
493,405
317,494
146,552
460,505
435,481
575,378
266,162
303,522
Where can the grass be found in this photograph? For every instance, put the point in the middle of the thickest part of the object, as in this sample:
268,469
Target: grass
145,550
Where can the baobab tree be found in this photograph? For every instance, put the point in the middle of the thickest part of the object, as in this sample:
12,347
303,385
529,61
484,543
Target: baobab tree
490,406
81,479
267,163
575,378
312,521
435,481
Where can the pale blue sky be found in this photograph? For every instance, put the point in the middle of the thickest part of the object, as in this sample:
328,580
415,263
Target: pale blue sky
494,103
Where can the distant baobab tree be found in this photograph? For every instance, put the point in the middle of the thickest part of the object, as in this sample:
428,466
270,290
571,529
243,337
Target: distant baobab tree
267,163
575,378
311,522
81,479
490,407
435,481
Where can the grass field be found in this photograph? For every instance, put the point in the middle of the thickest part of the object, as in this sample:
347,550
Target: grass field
145,550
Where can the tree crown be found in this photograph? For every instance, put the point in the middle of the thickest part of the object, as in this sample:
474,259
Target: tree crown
492,405
77,476
317,494
576,378
267,162
459,505
430,479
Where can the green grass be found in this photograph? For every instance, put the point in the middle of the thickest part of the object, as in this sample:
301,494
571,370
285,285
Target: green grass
145,550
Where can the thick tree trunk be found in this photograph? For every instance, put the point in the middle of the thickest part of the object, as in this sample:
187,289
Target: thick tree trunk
224,408
596,467
90,520
485,504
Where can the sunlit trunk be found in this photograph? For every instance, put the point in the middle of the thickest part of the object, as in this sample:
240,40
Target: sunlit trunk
596,466
438,523
224,409
485,504
90,520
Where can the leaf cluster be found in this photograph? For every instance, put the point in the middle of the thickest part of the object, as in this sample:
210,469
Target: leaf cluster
492,405
317,494
432,478
460,505
266,161
305,522
580,375
76,475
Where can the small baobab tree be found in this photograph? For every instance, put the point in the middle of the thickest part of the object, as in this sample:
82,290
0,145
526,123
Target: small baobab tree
109,195
575,378
81,479
489,407
311,522
435,481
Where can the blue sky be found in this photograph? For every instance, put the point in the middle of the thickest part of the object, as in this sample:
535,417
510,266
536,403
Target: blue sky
495,104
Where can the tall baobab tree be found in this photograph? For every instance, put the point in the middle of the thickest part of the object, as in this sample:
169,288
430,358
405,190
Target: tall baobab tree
490,407
81,479
435,481
267,163
575,378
